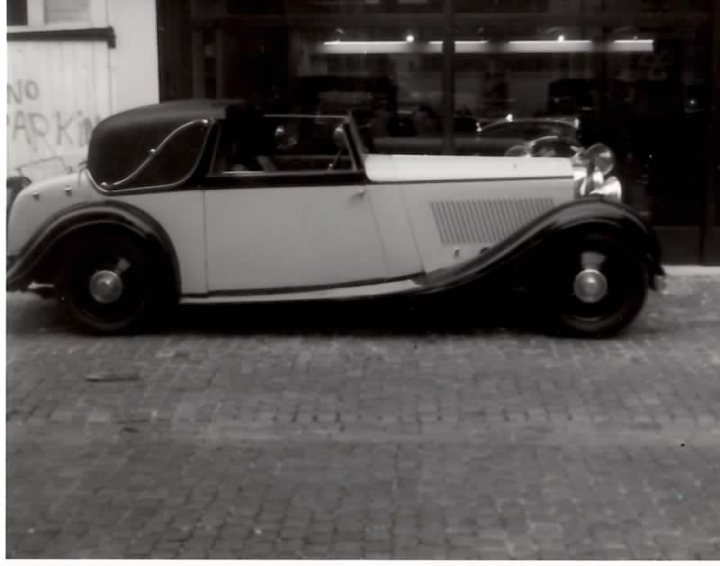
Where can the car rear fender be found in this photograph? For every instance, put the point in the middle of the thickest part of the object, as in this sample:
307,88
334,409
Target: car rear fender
81,221
534,245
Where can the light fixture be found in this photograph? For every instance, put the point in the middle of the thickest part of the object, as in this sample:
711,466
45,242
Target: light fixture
560,45
634,41
631,46
343,47
410,45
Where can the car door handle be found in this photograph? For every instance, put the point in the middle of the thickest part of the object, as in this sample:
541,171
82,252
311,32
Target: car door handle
360,193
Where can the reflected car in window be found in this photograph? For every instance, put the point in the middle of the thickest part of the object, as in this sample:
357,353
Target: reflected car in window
537,137
203,202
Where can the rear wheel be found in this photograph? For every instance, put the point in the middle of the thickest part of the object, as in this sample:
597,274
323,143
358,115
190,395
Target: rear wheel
108,284
597,286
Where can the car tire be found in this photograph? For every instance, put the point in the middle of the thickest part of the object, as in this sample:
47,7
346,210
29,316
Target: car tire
109,284
597,287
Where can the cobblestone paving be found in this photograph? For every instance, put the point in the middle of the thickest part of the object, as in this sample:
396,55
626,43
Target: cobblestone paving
343,432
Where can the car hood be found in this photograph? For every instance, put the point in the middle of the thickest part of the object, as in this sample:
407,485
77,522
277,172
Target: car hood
409,168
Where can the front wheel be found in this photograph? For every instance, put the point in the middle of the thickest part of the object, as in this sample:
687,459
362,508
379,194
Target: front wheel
596,287
107,285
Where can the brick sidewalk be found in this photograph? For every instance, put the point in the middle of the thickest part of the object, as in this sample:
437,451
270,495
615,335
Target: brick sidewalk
347,433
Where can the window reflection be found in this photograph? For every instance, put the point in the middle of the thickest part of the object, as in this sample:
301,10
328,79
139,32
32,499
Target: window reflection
634,74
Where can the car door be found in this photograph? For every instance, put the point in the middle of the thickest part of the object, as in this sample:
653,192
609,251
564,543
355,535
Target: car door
287,209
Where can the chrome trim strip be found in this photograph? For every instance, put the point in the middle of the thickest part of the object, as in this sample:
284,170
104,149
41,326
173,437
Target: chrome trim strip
340,292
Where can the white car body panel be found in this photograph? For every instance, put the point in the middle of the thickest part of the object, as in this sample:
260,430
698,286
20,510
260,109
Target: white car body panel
453,222
402,257
291,237
180,213
39,202
408,168
460,205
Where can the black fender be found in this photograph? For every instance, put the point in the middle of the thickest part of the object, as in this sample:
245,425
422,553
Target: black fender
70,222
536,241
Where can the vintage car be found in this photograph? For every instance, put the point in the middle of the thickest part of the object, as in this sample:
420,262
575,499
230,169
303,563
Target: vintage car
213,201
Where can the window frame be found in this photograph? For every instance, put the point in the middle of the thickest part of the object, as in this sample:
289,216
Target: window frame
97,16
252,179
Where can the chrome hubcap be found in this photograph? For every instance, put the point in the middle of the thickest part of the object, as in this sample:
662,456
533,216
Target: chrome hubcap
106,286
590,286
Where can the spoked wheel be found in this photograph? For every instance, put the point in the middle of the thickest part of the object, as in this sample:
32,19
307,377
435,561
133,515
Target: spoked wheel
107,285
598,286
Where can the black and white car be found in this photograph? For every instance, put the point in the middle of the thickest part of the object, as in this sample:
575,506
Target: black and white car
212,202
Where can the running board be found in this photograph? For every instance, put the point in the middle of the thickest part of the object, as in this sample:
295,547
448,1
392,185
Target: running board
356,291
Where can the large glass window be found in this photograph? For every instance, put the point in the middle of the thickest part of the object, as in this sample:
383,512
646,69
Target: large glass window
641,86
313,56
67,11
634,74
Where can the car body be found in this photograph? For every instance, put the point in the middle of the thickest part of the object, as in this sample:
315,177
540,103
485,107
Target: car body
213,201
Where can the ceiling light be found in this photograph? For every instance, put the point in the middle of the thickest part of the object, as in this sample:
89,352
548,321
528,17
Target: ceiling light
549,46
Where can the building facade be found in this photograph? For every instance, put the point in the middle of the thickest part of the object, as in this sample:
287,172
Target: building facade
423,76
70,64
640,75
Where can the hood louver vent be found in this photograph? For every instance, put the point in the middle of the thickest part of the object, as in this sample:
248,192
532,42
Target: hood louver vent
485,221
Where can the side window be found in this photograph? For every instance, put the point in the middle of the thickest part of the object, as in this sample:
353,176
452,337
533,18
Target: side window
282,144
311,144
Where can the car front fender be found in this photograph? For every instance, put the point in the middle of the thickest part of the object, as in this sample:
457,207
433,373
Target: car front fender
535,243
29,263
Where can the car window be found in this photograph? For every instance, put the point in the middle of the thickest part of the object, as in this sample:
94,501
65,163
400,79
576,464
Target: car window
157,158
282,144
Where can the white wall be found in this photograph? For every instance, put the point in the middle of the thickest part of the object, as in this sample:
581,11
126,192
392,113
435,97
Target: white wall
134,62
59,90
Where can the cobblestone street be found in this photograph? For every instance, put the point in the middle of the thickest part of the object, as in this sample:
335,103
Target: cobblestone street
349,432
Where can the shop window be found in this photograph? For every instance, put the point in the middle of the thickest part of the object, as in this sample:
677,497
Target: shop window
67,11
249,6
510,6
363,6
42,12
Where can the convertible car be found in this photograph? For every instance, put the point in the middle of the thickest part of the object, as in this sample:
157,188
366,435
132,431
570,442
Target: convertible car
213,201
